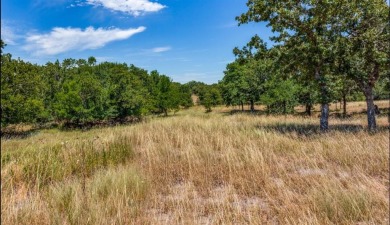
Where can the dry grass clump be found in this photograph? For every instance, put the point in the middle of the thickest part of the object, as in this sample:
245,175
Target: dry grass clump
338,205
197,168
113,196
40,166
68,181
109,197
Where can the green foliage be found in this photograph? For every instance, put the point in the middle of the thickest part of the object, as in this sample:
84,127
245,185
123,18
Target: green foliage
365,48
196,87
82,91
21,95
2,45
233,84
166,95
209,95
280,95
341,45
211,98
184,97
244,79
382,88
125,92
256,77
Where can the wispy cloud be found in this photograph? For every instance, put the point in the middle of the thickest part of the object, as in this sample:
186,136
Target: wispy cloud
132,7
161,49
8,34
61,40
77,3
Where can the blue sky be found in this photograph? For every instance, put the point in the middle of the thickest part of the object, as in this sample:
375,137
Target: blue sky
184,39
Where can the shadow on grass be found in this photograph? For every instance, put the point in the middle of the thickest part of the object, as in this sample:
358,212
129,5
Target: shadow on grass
314,129
246,112
18,134
383,112
14,133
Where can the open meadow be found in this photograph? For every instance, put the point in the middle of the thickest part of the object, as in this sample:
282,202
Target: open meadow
202,168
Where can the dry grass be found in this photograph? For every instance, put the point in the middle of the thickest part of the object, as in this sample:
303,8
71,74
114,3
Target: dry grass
198,168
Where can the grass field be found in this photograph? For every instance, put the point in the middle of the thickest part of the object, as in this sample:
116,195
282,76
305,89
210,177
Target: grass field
198,168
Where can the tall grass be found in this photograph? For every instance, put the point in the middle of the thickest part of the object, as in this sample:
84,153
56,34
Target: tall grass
196,168
110,197
41,166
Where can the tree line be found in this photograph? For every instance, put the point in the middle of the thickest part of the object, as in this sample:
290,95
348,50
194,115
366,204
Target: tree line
79,92
324,51
82,91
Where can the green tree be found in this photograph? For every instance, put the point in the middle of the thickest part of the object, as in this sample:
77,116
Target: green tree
382,88
344,88
126,92
82,91
211,98
185,95
307,94
305,30
316,34
233,85
21,92
2,46
280,95
254,59
53,77
80,99
165,94
364,43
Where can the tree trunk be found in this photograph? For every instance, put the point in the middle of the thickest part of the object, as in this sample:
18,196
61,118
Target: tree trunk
324,125
252,106
324,117
165,112
242,106
284,107
370,108
308,109
344,105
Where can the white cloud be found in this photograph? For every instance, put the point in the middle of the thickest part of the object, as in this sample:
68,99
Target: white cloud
61,40
161,49
132,7
8,34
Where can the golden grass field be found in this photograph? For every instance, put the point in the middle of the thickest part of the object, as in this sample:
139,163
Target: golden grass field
198,168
